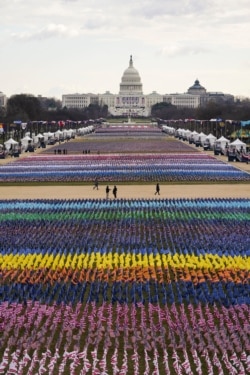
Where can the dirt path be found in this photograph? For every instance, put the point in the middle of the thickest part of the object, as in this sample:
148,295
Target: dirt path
126,192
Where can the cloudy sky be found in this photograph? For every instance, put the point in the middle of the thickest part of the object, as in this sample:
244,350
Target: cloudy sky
55,47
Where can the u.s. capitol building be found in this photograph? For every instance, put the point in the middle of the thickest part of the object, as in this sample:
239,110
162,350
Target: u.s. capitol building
132,102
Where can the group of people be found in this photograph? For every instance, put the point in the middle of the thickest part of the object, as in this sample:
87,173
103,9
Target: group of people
59,151
114,191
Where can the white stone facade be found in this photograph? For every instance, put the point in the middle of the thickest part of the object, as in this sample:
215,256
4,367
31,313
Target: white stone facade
78,100
3,100
132,102
184,100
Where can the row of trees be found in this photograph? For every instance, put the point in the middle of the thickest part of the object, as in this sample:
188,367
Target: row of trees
26,108
237,111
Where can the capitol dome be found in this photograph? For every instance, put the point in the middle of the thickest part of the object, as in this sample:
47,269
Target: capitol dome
131,81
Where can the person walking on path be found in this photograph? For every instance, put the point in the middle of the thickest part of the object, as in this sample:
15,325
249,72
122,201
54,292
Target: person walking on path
107,192
157,189
115,191
96,184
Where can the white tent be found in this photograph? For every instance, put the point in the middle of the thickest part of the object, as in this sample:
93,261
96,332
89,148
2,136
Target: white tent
48,135
67,133
193,136
37,139
238,145
223,139
26,139
221,145
209,140
10,143
211,136
202,137
186,134
222,142
168,129
58,134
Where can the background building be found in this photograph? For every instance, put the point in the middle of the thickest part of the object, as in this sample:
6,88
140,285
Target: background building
79,100
3,100
132,102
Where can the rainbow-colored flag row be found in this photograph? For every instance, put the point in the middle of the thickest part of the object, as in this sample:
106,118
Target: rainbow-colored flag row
125,286
147,167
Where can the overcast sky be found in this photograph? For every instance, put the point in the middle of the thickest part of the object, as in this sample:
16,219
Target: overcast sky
55,47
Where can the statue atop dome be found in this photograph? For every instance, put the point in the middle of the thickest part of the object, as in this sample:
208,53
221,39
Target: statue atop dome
131,62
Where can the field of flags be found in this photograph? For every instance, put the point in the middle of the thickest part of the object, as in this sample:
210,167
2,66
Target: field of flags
124,286
113,168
